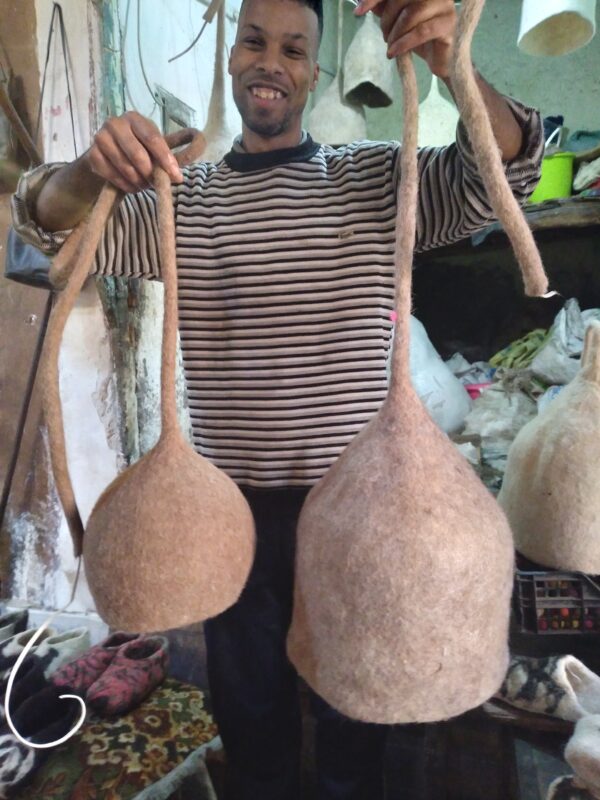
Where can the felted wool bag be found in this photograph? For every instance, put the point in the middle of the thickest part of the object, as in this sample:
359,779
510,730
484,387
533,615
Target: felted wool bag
551,488
404,560
171,540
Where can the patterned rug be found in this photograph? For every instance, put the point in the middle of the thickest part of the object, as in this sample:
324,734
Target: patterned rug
117,759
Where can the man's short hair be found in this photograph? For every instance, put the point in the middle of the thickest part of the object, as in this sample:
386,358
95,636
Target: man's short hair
315,5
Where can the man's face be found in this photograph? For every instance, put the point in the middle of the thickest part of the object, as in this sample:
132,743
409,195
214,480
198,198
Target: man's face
273,64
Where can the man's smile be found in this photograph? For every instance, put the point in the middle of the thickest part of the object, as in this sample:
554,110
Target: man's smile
266,95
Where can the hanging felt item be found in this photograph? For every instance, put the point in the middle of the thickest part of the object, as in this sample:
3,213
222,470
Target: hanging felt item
333,120
171,540
404,560
550,490
438,118
368,74
216,131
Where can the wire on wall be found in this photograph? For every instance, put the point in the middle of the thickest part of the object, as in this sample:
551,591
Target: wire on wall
155,96
57,12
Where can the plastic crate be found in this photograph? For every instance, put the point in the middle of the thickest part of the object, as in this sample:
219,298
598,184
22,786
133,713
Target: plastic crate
551,603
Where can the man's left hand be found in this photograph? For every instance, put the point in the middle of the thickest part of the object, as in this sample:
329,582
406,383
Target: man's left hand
426,27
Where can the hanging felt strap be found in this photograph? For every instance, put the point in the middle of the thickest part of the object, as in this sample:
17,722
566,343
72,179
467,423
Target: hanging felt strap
71,268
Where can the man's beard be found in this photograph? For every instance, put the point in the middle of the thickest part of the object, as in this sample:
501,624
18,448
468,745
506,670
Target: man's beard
263,126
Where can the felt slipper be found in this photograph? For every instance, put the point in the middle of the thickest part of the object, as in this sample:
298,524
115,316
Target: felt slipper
568,788
136,670
40,719
582,753
559,686
63,648
30,680
12,648
80,674
12,622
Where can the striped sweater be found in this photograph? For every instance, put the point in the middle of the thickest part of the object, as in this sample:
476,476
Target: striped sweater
285,265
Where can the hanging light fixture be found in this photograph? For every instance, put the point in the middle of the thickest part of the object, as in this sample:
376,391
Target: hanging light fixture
556,27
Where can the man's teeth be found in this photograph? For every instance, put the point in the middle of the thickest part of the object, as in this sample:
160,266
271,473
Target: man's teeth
266,94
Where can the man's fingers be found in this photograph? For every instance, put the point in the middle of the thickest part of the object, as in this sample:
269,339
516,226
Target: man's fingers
364,6
154,142
108,147
101,166
123,138
401,17
438,29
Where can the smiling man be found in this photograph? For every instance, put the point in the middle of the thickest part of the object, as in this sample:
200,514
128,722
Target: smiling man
285,261
271,100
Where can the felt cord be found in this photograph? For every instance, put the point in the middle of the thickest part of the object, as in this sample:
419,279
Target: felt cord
406,225
216,107
81,253
166,239
71,266
487,154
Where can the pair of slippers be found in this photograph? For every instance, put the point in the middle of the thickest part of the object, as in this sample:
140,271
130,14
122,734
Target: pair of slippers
563,687
113,677
116,675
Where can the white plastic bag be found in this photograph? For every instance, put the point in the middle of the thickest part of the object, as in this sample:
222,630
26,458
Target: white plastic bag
557,362
441,392
498,415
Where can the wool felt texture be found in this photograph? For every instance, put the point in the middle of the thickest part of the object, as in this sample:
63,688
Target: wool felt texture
216,132
334,120
136,670
29,680
42,718
559,686
550,488
171,540
62,648
582,753
78,675
368,74
405,561
12,648
13,622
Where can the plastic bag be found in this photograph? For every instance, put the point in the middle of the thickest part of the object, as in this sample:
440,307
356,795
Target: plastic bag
499,415
557,362
441,392
26,264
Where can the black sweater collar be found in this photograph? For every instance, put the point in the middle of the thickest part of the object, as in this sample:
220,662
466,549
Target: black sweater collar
250,162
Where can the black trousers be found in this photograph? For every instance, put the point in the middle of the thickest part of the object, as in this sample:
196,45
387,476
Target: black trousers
254,688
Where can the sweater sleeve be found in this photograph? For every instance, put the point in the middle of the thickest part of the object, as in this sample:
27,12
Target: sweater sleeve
129,246
453,202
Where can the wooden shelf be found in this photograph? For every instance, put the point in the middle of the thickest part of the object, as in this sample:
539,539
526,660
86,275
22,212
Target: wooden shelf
572,212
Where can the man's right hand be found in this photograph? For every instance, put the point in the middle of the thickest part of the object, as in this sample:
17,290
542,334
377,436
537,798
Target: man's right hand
125,151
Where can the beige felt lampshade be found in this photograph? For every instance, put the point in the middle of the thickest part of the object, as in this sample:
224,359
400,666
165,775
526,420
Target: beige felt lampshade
334,120
556,27
438,118
368,73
